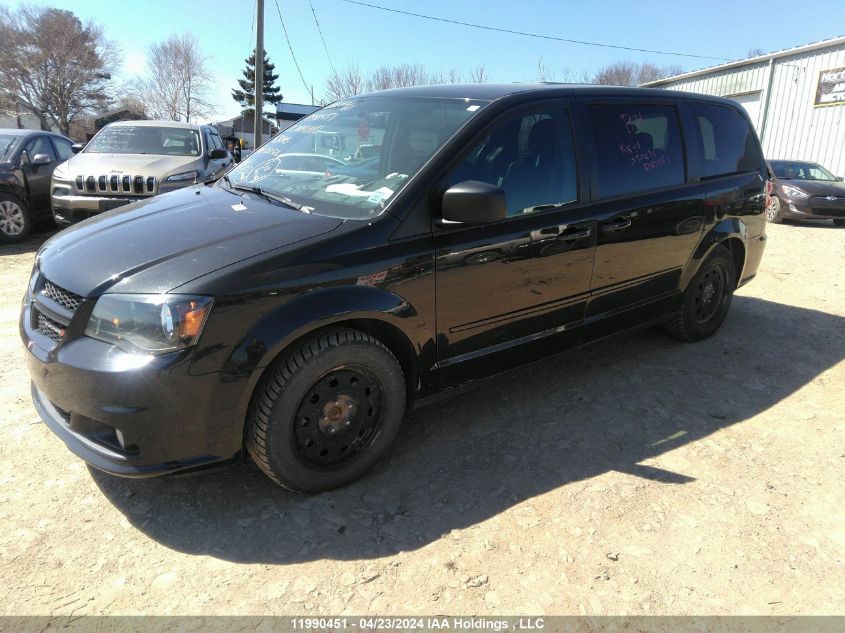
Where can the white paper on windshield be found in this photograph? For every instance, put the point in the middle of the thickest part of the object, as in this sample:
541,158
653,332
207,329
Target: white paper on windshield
355,191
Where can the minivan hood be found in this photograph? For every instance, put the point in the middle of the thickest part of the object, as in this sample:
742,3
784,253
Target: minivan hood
154,245
91,164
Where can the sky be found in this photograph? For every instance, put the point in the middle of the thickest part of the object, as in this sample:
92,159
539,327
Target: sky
370,37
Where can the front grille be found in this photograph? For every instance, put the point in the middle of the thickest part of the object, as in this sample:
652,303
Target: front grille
64,298
136,185
50,328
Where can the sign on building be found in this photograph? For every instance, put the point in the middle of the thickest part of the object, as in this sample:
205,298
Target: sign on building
831,87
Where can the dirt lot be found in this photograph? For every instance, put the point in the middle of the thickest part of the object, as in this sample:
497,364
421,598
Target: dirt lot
638,476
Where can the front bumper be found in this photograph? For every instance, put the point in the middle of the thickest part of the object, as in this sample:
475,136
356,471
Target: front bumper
817,207
128,415
69,208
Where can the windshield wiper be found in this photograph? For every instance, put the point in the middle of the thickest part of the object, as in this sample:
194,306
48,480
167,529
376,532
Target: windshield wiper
266,194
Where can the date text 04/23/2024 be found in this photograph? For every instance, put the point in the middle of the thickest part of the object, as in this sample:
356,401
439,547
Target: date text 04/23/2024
425,623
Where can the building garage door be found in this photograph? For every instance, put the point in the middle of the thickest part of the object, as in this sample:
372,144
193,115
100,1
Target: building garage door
751,102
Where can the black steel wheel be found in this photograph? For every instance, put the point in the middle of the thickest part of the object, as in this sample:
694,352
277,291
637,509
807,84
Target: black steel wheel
707,299
326,411
339,418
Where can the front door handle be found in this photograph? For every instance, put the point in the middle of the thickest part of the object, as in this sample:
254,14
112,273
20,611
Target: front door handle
574,234
617,225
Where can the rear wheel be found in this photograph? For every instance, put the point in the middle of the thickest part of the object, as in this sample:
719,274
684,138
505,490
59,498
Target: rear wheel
774,213
326,412
706,299
15,219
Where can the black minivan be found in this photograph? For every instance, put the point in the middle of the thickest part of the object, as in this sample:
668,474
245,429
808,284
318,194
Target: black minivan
297,309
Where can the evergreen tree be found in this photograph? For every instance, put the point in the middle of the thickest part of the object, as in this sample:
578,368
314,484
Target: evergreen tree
246,94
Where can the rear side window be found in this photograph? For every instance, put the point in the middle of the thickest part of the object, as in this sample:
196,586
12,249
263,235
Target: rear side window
638,148
721,142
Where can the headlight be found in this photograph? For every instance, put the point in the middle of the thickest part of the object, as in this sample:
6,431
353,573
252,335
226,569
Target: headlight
794,192
188,175
149,323
60,172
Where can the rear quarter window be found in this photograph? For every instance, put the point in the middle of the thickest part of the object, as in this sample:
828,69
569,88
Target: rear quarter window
637,148
720,142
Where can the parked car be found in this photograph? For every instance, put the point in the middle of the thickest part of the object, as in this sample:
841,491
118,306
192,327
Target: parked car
804,190
128,161
298,319
27,161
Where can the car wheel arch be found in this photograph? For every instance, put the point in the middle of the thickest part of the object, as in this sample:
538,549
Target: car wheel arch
730,233
279,332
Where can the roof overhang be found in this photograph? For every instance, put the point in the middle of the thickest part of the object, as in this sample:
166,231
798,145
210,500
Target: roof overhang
806,48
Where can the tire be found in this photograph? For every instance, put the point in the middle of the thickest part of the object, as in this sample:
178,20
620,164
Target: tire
774,213
326,411
15,219
839,222
707,299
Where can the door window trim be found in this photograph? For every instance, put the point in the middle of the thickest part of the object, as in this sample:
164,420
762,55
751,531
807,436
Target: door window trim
436,191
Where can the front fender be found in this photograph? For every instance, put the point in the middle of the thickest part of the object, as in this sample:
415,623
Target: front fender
291,321
11,184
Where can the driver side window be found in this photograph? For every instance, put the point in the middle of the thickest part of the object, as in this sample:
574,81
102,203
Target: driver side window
531,156
38,145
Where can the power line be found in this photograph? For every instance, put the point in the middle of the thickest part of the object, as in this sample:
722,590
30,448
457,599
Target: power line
320,31
295,63
527,34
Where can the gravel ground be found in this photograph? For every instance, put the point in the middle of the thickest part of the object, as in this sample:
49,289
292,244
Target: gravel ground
636,476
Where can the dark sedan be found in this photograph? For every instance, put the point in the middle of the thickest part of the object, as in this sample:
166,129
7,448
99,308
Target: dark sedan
804,190
27,161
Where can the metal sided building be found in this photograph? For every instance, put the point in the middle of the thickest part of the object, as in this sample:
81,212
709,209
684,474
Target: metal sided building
795,97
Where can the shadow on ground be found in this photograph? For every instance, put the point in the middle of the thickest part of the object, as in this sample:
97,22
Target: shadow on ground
604,408
30,244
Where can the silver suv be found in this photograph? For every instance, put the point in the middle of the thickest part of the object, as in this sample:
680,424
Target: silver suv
132,160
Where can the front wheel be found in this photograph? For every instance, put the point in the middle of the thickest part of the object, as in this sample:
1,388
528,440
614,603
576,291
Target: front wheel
706,299
15,219
774,213
326,411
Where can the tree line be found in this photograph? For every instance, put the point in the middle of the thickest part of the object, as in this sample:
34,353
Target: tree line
59,69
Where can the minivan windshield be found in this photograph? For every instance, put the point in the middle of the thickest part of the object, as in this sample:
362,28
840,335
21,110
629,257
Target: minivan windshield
790,170
8,143
351,157
145,139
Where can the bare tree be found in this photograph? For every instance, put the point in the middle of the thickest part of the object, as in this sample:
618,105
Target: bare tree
54,65
478,75
401,76
178,81
345,82
755,52
349,81
628,73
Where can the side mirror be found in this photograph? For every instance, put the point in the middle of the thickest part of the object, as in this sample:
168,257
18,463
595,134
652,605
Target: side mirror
41,159
839,179
474,202
217,153
76,148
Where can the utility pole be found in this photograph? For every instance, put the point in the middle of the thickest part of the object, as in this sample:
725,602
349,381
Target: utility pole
258,119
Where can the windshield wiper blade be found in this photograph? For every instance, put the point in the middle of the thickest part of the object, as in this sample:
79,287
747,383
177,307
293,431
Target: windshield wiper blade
266,194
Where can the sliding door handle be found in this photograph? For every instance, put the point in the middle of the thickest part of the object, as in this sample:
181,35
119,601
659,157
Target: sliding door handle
574,234
619,224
